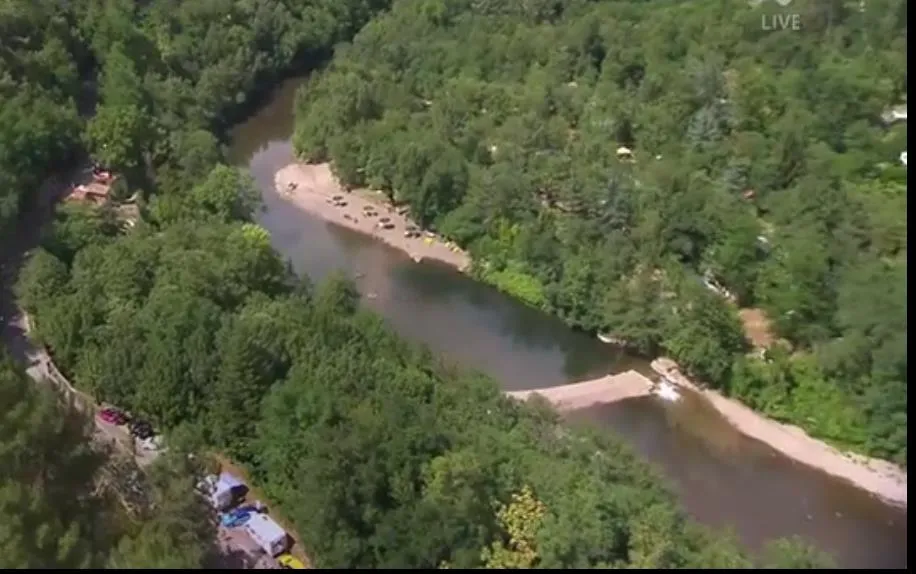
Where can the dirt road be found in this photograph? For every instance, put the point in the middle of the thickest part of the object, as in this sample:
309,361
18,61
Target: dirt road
15,246
42,370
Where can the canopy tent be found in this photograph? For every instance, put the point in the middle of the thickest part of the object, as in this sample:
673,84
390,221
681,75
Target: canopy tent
230,481
225,490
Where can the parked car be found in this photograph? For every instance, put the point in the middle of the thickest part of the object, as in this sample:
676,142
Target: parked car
235,518
141,429
290,562
112,416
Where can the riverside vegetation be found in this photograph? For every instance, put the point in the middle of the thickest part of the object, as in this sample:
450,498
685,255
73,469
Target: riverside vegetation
378,454
55,509
760,160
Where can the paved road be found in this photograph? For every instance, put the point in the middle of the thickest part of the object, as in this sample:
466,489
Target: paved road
42,369
14,326
238,549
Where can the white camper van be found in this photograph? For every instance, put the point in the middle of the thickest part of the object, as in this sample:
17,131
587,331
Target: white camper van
267,534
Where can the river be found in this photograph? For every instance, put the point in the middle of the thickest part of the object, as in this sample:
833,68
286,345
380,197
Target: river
722,477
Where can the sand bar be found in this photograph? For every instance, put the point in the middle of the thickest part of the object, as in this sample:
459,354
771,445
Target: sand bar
879,477
607,389
313,187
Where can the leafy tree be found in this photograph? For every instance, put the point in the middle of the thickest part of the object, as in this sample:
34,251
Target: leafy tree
78,226
44,278
54,513
119,136
227,194
174,535
50,518
705,335
521,520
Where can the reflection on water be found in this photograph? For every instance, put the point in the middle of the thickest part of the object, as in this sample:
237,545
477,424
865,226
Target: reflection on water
694,416
722,477
726,479
466,321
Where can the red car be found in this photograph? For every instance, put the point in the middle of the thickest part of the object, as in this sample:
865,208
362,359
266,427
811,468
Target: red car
112,416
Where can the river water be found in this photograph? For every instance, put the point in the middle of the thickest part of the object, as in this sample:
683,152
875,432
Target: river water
721,477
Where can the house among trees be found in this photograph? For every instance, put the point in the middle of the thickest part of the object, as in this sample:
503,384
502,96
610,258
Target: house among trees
96,191
92,192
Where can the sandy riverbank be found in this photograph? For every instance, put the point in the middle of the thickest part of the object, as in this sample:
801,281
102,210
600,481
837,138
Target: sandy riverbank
607,389
879,477
314,188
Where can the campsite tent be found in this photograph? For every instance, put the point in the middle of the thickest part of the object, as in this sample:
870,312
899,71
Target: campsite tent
225,491
267,534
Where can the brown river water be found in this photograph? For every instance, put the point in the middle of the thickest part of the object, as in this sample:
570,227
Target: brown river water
722,477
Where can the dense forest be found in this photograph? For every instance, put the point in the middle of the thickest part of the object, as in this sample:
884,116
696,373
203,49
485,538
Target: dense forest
757,162
380,455
140,85
59,497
